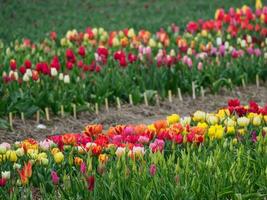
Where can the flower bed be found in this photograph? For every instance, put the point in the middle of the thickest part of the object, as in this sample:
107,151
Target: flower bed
206,155
93,65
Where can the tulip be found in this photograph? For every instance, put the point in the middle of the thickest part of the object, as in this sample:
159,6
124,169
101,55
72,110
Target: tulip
120,151
67,79
61,76
54,177
91,183
16,166
25,78
200,66
256,121
152,170
3,149
5,175
12,156
58,157
44,161
83,168
243,121
199,116
53,72
219,41
174,118
139,151
2,182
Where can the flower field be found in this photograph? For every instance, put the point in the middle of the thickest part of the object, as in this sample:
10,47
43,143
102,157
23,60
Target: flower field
87,113
94,66
206,155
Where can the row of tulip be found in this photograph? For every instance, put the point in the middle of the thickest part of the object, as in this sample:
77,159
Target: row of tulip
93,65
203,156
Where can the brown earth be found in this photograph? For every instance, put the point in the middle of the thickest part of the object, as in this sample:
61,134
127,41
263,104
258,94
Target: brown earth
131,114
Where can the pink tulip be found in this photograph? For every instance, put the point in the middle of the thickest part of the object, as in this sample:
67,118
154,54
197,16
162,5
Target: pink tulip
152,170
54,177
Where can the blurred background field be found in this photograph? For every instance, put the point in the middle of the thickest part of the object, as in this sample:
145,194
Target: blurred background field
34,19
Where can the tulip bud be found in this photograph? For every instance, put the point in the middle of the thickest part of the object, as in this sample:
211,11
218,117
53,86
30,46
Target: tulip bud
53,71
66,79
25,78
5,175
20,152
243,121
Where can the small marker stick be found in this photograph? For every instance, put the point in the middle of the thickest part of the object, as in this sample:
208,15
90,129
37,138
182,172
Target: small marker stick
157,98
106,104
243,83
118,103
38,116
22,117
96,109
131,99
11,120
170,96
257,81
47,114
145,99
202,92
180,94
193,90
62,111
74,111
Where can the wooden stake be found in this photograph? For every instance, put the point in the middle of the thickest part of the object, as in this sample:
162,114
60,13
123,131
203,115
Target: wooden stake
243,83
22,117
157,98
257,81
118,103
11,120
38,116
145,99
106,103
180,94
62,111
74,111
96,109
170,96
202,92
193,90
47,114
131,99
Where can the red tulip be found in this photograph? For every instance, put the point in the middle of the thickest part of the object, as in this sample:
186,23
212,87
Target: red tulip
81,51
28,64
2,182
91,183
13,65
53,35
22,70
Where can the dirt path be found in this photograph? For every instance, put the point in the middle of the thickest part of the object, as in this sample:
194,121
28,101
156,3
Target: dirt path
131,114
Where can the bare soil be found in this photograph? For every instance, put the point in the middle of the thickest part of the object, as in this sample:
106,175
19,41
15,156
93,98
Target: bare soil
131,114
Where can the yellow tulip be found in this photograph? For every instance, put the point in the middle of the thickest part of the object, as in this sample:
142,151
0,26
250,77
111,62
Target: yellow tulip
58,157
234,141
12,156
258,4
256,120
230,130
243,121
174,118
212,119
199,116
